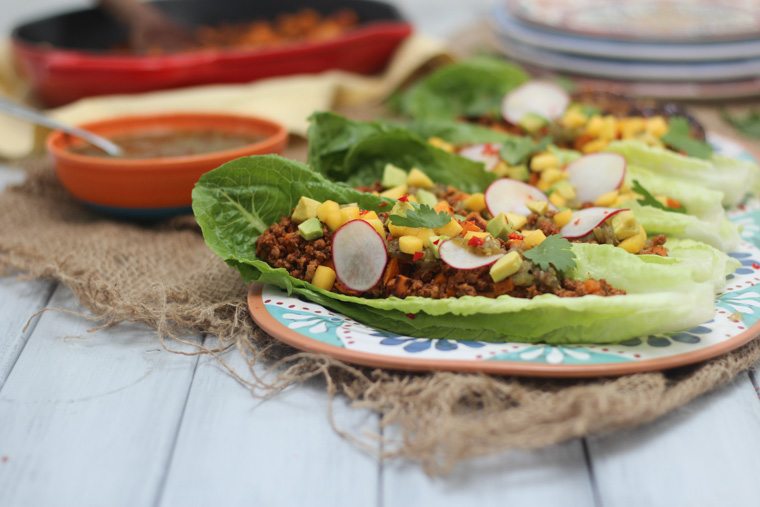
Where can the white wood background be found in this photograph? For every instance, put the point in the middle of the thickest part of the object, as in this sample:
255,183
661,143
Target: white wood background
110,419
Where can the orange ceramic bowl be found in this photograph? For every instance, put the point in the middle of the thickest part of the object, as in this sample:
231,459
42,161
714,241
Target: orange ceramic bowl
154,187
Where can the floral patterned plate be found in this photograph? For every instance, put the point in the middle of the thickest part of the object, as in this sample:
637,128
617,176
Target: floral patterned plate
736,321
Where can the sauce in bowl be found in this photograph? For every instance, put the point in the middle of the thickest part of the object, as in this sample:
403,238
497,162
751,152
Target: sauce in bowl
172,143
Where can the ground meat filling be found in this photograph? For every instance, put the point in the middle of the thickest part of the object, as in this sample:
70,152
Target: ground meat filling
654,246
282,246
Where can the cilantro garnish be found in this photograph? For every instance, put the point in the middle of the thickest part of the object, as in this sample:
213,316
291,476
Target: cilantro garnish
555,251
516,150
647,199
422,216
678,137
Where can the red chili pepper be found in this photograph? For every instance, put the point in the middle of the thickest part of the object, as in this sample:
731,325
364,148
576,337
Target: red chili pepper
756,265
417,256
514,235
363,212
410,316
436,241
404,198
382,204
476,241
490,149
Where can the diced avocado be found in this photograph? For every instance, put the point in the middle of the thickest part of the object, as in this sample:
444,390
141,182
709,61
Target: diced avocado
564,189
305,209
532,122
400,208
517,172
499,226
419,179
506,266
425,197
516,221
310,229
624,225
538,206
433,242
393,176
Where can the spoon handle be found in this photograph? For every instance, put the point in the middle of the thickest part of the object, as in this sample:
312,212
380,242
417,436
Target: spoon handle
33,116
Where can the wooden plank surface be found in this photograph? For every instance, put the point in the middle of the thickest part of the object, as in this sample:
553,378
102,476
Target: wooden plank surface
236,450
703,454
89,419
557,476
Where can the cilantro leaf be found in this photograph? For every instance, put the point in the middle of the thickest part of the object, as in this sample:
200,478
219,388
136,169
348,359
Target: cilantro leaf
516,150
555,251
749,125
647,199
678,137
422,216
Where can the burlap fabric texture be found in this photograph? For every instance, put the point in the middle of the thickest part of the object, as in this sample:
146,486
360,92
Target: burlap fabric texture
163,275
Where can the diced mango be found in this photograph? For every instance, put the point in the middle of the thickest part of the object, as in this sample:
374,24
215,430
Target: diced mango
395,192
349,213
551,176
442,206
506,266
594,146
656,126
607,199
635,243
609,129
557,200
476,202
305,209
624,225
441,144
595,125
410,244
369,215
573,119
538,206
632,127
334,220
419,179
412,198
544,161
516,221
533,238
451,229
324,277
562,218
400,230
327,208
377,224
423,233
565,189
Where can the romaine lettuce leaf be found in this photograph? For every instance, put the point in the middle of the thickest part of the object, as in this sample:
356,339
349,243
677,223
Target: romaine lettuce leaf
469,88
735,178
357,152
235,202
707,264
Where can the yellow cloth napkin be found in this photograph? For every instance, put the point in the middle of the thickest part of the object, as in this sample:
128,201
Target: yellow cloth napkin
288,100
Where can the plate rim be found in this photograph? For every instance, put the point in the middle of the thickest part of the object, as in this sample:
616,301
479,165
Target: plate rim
271,326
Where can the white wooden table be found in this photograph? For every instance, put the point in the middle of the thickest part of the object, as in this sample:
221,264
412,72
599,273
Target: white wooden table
110,419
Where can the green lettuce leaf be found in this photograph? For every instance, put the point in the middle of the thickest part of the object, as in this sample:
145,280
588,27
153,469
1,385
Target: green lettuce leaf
357,152
235,202
469,88
734,178
707,264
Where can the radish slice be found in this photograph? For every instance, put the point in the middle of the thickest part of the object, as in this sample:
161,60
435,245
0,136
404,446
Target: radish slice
586,220
510,196
359,255
538,97
487,154
459,256
596,174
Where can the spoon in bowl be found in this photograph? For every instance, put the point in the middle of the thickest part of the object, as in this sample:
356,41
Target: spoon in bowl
37,117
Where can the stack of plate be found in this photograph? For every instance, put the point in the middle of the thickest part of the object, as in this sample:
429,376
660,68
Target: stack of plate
704,49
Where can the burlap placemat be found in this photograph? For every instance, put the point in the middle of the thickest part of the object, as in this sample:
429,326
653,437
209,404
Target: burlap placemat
164,276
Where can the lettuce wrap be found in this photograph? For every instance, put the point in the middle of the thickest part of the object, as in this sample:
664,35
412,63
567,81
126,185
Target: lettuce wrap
236,202
734,178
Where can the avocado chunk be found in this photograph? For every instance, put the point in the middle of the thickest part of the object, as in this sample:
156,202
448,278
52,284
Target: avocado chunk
310,229
425,197
393,176
506,266
499,226
305,209
518,172
624,225
533,122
